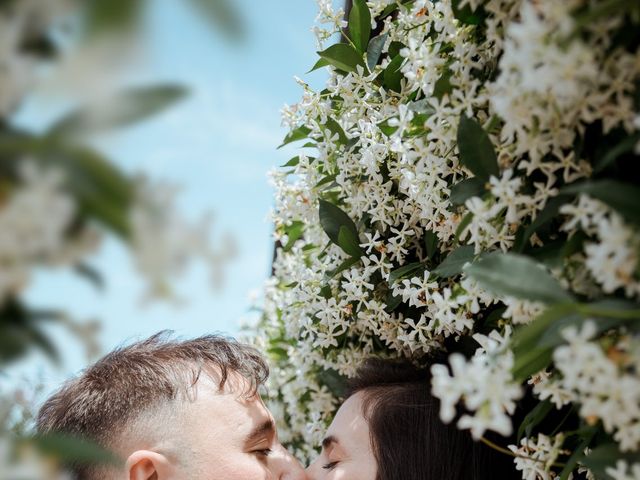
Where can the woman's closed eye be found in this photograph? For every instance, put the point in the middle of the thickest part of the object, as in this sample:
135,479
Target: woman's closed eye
330,465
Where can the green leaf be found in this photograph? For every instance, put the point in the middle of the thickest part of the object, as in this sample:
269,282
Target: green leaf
430,243
296,134
349,243
348,263
404,271
343,56
127,107
224,15
392,302
388,10
476,150
625,146
91,274
374,50
325,291
443,85
360,24
323,62
292,162
392,75
462,191
604,456
336,383
548,213
294,232
578,454
463,225
622,197
112,17
467,15
530,358
533,418
102,191
335,128
332,219
455,261
517,276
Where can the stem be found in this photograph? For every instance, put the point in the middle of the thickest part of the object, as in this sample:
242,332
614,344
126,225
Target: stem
500,449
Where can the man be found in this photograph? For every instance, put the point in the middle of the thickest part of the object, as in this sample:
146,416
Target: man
174,410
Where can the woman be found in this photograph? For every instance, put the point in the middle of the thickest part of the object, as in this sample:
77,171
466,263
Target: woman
389,429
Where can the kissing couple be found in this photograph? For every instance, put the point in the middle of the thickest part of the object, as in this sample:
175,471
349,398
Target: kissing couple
191,410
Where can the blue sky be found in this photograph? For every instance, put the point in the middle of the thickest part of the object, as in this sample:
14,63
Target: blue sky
218,145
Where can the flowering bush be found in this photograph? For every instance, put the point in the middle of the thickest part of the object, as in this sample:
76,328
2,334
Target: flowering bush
468,184
59,198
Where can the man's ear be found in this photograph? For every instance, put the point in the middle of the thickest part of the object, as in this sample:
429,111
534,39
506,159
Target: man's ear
148,465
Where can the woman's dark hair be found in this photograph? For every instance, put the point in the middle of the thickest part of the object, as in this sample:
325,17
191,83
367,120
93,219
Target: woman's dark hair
409,440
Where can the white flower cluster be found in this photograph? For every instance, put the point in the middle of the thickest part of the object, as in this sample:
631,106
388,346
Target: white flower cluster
18,21
613,258
534,458
163,242
389,280
484,384
607,389
35,217
624,471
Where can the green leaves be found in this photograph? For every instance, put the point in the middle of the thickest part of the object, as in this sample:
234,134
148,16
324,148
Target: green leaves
533,344
340,228
342,56
533,418
454,263
296,134
605,456
625,146
404,271
517,276
360,25
467,15
128,106
530,352
335,128
475,149
622,197
462,191
392,75
223,14
374,50
103,192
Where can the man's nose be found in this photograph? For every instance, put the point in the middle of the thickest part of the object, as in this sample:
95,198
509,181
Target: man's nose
312,470
285,466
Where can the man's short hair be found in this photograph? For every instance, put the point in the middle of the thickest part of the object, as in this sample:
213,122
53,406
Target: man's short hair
100,403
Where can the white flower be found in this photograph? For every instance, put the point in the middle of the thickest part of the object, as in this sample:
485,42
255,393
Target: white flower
33,224
163,242
484,385
624,471
534,458
603,391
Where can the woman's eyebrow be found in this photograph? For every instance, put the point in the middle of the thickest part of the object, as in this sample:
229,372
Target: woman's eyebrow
266,429
328,441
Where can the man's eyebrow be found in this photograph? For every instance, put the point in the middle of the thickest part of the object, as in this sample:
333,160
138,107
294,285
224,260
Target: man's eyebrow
267,428
328,441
